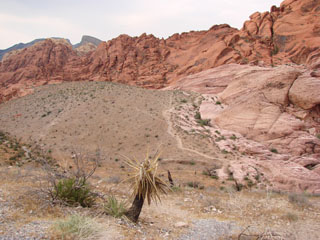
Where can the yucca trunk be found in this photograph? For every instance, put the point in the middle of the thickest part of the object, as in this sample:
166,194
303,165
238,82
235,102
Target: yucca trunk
135,209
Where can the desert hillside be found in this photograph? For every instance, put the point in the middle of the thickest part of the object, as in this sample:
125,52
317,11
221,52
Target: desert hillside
221,189
234,114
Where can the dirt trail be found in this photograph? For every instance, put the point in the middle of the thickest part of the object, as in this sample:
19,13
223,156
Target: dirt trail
170,130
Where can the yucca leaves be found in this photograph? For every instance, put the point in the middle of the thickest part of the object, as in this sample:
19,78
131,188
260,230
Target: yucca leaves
144,180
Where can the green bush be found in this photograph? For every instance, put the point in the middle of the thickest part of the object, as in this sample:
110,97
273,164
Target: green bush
233,137
74,191
203,122
214,177
114,208
197,115
193,184
274,150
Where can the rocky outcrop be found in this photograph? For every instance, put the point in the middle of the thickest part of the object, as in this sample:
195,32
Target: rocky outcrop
274,114
21,46
288,34
44,62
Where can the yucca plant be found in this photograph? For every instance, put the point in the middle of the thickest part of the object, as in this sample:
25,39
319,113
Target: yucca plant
145,184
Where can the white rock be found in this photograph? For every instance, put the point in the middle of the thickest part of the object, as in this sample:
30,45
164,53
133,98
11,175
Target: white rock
181,224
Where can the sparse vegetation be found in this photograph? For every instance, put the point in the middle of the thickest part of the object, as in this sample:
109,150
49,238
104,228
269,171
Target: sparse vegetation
274,150
291,217
218,139
197,116
250,206
193,184
203,122
74,191
192,163
114,208
200,121
299,200
233,137
224,151
216,177
76,227
71,186
176,189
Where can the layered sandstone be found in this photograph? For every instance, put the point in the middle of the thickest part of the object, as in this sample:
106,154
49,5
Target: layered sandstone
274,114
285,35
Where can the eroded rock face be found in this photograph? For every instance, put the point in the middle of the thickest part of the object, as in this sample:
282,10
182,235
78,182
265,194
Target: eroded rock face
305,92
274,114
288,34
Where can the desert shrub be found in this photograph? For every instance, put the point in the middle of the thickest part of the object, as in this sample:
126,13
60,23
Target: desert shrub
76,227
230,176
73,192
197,115
211,172
291,217
238,186
70,185
273,150
233,137
114,208
299,200
224,151
216,177
176,189
203,122
218,139
192,162
193,184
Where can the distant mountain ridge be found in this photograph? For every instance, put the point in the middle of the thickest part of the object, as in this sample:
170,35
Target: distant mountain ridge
87,39
84,40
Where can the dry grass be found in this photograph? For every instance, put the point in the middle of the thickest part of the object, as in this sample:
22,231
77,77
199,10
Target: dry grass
76,227
115,208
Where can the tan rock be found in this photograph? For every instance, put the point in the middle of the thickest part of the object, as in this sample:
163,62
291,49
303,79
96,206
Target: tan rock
305,92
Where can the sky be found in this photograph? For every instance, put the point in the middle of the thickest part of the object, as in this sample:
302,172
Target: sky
26,20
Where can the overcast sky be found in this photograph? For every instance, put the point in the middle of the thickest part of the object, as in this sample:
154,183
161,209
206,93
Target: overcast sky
25,20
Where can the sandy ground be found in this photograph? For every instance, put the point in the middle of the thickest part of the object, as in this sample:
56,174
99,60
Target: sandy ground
120,120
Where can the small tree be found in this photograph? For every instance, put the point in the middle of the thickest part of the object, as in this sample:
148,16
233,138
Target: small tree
145,184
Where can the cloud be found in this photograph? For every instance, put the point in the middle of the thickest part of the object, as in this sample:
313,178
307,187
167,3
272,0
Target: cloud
24,29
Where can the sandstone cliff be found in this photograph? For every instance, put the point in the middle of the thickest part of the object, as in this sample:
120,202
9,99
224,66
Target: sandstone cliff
288,34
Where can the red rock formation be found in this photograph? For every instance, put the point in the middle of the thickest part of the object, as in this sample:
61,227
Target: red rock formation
288,34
